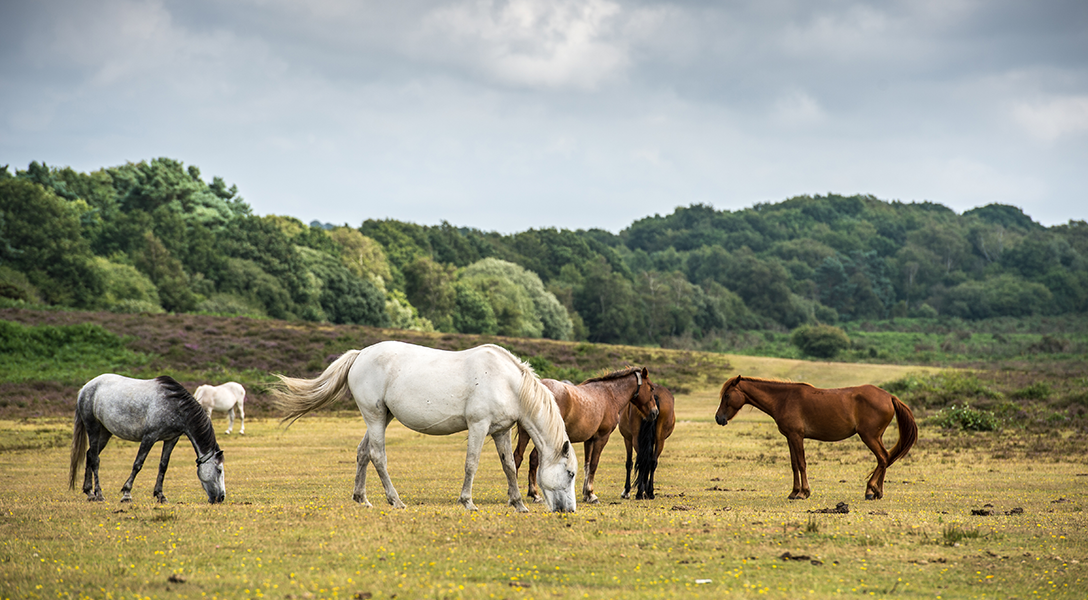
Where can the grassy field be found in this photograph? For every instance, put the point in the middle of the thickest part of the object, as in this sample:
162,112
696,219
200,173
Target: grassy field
719,527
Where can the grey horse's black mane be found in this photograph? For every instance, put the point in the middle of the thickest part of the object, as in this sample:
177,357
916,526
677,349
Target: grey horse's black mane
200,426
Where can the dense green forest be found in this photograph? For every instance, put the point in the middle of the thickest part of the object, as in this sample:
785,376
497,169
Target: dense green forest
155,236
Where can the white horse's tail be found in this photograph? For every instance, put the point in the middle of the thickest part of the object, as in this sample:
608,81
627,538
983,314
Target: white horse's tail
296,397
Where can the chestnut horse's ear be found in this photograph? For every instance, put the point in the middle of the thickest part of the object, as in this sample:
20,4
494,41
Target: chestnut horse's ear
645,373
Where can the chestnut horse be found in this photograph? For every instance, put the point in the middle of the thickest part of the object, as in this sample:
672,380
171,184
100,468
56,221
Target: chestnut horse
829,415
591,411
652,434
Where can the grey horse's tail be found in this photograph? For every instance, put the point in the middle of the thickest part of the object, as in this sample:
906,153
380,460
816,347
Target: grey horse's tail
296,397
79,450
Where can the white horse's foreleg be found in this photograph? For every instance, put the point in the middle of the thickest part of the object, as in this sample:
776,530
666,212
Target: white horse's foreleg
362,459
376,432
477,433
502,444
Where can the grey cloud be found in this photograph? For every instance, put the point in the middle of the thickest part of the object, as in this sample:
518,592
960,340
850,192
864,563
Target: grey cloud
525,113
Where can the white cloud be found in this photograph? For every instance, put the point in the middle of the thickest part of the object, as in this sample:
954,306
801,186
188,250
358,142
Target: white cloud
1054,118
536,43
797,109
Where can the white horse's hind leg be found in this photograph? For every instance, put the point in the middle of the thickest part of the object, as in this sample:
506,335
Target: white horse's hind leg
241,417
477,433
362,459
505,449
376,432
230,420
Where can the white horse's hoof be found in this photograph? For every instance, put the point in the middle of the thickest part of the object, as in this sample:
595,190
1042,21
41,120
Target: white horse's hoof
519,506
361,499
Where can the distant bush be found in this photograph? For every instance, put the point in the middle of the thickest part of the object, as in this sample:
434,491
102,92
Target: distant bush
941,389
821,341
1036,391
1049,344
965,418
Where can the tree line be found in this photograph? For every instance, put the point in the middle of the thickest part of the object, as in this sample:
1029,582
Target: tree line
155,236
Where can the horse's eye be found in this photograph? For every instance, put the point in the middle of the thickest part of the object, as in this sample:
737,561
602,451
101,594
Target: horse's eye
570,474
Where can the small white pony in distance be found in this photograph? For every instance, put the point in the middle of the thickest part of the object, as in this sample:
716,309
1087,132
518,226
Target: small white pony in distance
224,398
485,390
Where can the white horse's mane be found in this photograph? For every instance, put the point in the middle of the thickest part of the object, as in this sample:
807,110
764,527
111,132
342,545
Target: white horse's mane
537,401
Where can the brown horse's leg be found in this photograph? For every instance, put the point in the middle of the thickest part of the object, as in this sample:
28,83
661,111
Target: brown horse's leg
801,490
534,463
874,490
534,459
591,449
591,466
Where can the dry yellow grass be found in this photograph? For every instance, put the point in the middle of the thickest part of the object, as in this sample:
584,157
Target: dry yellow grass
719,526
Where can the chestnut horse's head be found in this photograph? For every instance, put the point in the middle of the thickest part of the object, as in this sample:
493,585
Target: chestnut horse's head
645,398
732,399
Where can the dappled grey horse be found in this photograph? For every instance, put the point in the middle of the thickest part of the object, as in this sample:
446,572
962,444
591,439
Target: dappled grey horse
145,411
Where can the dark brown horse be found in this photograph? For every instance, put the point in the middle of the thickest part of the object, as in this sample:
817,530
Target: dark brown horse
652,434
802,411
591,411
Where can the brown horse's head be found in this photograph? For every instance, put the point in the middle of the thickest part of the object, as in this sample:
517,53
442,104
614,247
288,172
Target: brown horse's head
645,399
732,399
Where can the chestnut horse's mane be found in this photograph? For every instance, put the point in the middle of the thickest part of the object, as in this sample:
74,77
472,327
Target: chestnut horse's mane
736,379
612,375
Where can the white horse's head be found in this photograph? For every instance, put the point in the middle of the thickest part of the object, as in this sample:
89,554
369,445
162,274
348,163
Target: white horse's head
209,469
556,478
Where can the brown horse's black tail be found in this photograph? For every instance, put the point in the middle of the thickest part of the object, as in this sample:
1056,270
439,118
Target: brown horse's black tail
79,451
646,460
908,431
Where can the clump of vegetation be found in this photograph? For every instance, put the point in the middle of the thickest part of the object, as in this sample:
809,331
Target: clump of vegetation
954,534
820,341
966,418
941,389
1037,391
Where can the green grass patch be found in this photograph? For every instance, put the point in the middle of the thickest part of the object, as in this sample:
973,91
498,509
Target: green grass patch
66,352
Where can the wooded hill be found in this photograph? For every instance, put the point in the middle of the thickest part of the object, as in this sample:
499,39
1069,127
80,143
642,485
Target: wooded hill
155,236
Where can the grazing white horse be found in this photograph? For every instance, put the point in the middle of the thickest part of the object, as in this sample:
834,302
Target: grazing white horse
224,398
485,390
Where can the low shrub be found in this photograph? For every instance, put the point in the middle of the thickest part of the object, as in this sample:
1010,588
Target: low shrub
965,418
820,341
1036,391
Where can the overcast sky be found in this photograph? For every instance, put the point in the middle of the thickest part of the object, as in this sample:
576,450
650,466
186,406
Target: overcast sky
525,114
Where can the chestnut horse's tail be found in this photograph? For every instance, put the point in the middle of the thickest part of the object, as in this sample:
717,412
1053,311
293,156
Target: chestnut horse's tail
79,450
908,431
